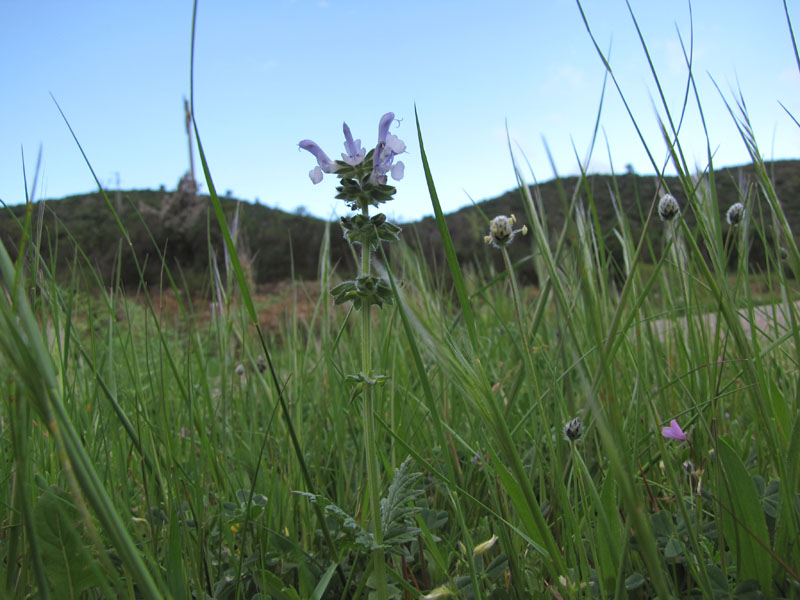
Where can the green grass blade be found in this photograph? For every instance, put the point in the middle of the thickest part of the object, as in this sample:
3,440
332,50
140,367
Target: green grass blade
449,249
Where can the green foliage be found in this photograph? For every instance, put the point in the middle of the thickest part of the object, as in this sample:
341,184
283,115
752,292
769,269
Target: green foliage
398,509
369,231
743,519
364,291
271,236
71,568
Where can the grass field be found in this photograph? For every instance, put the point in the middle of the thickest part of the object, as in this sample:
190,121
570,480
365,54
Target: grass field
622,431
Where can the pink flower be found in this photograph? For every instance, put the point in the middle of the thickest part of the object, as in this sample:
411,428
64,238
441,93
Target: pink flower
673,432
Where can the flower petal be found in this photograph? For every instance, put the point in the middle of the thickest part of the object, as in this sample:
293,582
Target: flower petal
395,144
397,170
674,431
316,175
354,153
383,126
322,158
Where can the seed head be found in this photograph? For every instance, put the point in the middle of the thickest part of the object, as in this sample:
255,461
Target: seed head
502,232
573,430
668,207
735,214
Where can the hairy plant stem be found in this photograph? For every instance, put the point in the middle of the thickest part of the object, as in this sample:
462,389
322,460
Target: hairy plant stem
370,447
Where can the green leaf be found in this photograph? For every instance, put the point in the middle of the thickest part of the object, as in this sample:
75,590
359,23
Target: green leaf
743,519
364,291
786,524
673,549
323,583
398,509
748,590
276,588
360,537
369,231
719,583
634,582
71,568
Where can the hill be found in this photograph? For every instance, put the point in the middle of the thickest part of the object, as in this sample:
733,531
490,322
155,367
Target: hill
278,245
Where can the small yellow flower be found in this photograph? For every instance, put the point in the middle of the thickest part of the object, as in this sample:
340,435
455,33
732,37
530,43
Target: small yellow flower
235,528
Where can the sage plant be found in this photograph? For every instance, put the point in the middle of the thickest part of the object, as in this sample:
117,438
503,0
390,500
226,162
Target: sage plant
363,184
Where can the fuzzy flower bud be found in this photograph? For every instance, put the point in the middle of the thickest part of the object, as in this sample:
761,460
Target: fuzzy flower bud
573,430
501,231
735,214
668,207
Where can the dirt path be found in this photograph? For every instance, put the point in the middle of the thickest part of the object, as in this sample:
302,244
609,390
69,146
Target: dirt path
771,320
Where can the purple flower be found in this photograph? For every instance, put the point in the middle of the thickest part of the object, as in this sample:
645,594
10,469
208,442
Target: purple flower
355,153
388,147
673,432
324,164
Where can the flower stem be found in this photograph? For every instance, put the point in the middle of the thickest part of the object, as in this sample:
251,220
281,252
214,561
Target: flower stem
370,446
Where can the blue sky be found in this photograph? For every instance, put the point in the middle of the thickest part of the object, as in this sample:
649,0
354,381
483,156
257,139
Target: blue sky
270,73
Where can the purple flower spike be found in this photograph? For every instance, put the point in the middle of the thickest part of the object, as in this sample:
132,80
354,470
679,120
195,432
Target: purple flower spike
673,432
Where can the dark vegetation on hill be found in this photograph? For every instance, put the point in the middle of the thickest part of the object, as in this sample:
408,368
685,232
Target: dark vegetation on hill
277,245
